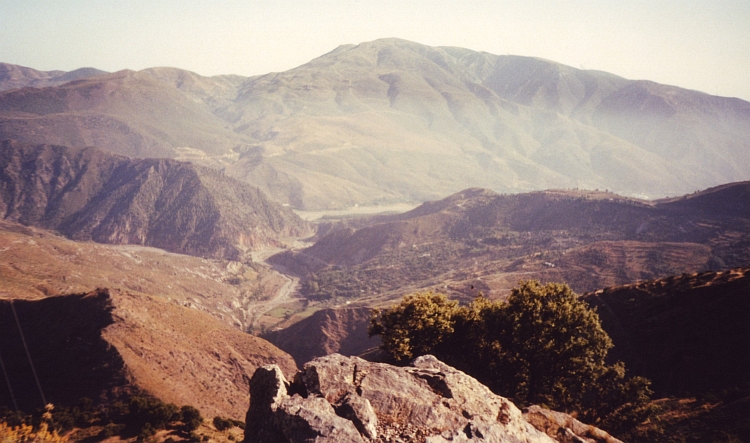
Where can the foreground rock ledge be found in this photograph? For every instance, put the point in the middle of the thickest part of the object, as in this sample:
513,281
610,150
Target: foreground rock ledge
347,399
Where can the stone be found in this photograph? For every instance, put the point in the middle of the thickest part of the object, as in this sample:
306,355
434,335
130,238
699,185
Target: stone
348,399
565,428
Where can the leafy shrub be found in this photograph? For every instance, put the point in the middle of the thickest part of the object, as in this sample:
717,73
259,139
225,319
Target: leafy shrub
543,346
26,433
111,429
148,412
191,418
221,423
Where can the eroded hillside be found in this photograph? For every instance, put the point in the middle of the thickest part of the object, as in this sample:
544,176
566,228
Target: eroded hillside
89,194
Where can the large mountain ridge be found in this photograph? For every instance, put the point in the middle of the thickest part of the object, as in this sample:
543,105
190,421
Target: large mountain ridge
391,120
90,194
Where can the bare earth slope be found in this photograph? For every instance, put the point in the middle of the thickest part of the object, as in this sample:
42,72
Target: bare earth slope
477,240
393,121
88,194
107,343
328,331
35,263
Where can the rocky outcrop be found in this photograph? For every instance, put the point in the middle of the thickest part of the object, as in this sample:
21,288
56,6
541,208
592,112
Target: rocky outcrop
348,399
565,428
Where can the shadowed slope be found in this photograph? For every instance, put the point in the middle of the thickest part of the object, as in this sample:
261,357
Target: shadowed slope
88,194
342,331
689,334
108,343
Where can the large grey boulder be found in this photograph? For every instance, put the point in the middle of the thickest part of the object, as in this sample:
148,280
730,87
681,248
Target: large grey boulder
348,399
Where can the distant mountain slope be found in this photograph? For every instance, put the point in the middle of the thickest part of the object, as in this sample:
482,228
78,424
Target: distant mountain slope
328,331
107,343
152,113
421,122
478,240
391,120
14,76
689,334
88,194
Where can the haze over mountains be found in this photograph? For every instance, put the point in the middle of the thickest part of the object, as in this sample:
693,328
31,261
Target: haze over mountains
550,172
391,120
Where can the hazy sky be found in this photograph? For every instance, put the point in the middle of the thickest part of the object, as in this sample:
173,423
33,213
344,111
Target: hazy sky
696,44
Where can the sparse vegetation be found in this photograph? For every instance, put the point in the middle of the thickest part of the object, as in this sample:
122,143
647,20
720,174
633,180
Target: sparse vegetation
542,346
584,240
222,424
139,417
25,432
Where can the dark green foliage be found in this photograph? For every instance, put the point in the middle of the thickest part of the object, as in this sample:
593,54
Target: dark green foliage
81,415
191,418
552,346
62,420
13,418
416,326
222,424
543,346
144,411
146,431
139,417
112,429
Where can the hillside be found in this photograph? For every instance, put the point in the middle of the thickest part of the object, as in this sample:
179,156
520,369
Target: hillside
328,331
421,122
137,114
35,263
393,121
478,240
109,343
15,77
89,194
688,333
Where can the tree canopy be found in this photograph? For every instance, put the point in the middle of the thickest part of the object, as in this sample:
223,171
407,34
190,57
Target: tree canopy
542,346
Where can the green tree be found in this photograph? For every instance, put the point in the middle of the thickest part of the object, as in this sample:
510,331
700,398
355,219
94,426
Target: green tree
543,346
551,346
416,326
191,417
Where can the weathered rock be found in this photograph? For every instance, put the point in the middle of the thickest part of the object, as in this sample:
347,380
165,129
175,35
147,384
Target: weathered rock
276,417
348,399
565,428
